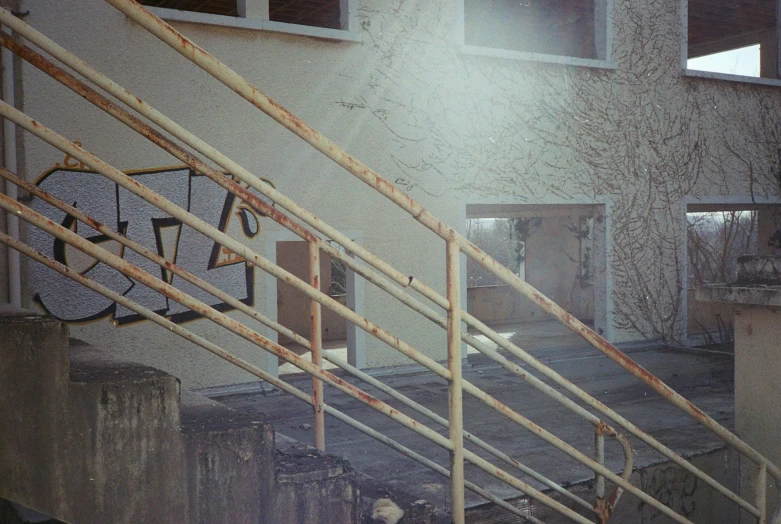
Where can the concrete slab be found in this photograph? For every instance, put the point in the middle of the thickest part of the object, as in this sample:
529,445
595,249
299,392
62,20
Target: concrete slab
706,379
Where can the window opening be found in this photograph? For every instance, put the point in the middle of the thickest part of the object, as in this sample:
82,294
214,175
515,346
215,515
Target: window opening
715,240
573,28
733,37
317,13
743,61
214,7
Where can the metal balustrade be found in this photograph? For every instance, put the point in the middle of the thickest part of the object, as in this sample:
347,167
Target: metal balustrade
318,235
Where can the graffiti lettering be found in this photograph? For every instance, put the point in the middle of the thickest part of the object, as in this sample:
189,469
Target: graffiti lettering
150,227
672,486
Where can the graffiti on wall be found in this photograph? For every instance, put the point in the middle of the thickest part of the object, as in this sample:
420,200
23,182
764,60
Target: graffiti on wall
672,486
150,227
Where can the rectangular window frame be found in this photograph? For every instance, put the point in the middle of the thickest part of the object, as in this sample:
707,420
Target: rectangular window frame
739,42
254,15
604,58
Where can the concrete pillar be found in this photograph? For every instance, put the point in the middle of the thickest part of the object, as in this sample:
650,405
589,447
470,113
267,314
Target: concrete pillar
601,29
768,58
253,9
356,337
757,299
768,224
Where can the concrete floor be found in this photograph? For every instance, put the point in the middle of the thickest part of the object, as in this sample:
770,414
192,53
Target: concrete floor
547,334
704,378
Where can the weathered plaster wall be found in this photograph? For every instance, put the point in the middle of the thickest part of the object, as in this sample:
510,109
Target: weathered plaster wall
552,266
450,128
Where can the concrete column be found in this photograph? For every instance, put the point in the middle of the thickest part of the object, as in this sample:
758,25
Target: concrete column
768,223
757,299
253,9
345,14
600,29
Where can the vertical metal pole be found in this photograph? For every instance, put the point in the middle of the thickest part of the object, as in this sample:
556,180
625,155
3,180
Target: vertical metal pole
761,493
316,342
777,42
455,393
9,158
599,480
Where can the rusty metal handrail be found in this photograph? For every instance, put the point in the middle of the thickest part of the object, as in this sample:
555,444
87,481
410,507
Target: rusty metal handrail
89,94
455,244
262,207
169,291
243,88
233,302
132,271
246,366
250,93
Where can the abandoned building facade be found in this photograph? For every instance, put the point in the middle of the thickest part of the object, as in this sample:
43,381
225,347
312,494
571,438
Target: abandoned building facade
581,123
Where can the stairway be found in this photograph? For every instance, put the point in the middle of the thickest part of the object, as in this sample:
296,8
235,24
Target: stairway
88,438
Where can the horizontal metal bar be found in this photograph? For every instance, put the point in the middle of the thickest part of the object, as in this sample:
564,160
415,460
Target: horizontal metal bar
235,246
153,135
250,93
241,330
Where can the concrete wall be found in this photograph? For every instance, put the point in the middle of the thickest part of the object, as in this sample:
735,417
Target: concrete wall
704,315
552,266
293,306
666,482
70,427
500,304
758,386
451,126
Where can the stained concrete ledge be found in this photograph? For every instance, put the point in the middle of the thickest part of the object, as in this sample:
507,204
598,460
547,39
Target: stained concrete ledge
758,284
764,270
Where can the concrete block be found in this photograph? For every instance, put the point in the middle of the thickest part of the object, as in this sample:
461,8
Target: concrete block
88,438
312,487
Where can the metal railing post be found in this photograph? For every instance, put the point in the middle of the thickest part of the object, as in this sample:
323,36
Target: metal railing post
599,480
316,343
456,417
760,500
